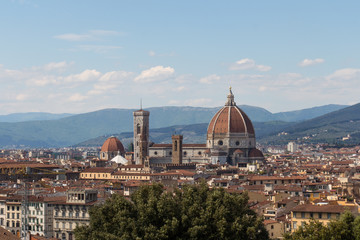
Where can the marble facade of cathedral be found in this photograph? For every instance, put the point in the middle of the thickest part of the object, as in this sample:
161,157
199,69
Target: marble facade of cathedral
230,139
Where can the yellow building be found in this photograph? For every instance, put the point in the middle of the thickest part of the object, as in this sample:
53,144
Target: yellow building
97,173
302,214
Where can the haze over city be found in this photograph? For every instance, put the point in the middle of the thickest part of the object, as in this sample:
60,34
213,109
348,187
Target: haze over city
87,55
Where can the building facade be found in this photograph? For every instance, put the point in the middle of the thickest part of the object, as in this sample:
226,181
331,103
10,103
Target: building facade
230,139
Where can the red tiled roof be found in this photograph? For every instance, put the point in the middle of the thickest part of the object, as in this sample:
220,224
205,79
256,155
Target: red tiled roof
323,208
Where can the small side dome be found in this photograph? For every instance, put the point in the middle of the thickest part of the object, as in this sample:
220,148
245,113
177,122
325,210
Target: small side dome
256,153
112,144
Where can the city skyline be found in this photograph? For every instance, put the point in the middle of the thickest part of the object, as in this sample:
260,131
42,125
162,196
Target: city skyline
88,55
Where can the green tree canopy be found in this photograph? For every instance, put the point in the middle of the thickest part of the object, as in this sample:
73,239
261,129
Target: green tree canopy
195,212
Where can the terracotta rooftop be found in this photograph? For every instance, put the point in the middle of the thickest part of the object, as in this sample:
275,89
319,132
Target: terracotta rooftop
324,208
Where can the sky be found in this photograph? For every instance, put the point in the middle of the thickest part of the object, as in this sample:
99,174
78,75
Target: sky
81,56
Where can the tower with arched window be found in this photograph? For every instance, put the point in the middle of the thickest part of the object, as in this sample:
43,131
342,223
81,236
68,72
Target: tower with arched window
141,135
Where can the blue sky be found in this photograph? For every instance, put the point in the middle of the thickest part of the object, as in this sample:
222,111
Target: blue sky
80,56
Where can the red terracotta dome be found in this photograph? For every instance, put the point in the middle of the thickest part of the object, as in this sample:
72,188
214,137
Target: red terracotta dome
256,153
112,144
230,119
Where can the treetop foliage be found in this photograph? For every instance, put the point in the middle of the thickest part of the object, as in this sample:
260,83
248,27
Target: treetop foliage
195,212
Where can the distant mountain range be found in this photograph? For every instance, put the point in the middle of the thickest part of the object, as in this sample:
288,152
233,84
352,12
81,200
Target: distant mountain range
331,127
32,116
73,129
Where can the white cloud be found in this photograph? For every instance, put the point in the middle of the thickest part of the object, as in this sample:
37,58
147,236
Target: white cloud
309,62
115,76
151,53
43,80
77,97
85,76
263,68
74,37
210,79
345,74
88,36
154,74
21,97
262,88
56,66
109,81
179,89
246,63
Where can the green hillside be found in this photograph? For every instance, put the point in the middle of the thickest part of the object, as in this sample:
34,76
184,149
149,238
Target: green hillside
194,133
74,129
329,128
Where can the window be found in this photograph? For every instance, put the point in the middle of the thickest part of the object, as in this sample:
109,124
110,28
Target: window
272,226
237,143
294,225
185,153
155,152
302,215
329,215
199,153
311,215
294,214
220,142
320,215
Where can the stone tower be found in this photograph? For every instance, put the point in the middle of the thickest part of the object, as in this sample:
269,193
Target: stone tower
177,149
141,135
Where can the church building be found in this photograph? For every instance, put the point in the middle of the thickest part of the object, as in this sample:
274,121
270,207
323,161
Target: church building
230,139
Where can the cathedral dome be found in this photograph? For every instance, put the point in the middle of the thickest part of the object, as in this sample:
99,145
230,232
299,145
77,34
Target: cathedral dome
112,144
230,119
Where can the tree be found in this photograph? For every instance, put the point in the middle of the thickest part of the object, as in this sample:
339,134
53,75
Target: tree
195,212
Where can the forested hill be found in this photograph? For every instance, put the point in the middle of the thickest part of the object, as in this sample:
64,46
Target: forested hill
81,127
331,128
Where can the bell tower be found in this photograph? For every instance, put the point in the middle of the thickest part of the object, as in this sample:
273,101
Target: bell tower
177,149
141,135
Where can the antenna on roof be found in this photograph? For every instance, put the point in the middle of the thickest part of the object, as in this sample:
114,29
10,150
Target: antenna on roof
140,103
